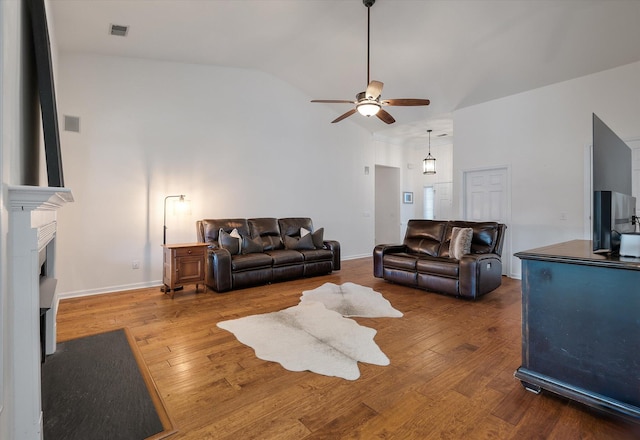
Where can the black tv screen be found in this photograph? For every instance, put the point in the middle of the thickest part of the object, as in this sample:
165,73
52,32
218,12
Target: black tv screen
613,203
611,160
46,92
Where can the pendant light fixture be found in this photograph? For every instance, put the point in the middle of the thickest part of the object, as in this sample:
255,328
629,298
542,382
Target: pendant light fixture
429,162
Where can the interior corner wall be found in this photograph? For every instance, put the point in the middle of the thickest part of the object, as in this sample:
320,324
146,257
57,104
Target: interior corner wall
236,142
543,135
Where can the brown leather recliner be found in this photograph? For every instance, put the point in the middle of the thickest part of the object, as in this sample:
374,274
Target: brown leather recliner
423,259
272,261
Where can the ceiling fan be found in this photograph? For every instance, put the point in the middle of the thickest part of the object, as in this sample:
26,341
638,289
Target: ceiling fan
368,103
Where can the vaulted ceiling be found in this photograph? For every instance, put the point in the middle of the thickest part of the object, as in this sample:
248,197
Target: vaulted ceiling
456,53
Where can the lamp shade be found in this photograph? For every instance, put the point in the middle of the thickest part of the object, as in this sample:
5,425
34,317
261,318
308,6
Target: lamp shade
429,165
368,109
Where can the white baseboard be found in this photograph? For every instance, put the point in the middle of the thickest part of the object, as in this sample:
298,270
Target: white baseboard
110,289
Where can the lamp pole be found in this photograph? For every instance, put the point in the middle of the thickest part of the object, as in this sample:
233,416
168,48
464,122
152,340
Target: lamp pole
164,224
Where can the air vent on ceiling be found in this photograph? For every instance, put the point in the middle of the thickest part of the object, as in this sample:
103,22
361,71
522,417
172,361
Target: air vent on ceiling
72,123
119,30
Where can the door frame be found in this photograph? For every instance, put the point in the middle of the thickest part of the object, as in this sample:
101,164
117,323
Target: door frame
507,256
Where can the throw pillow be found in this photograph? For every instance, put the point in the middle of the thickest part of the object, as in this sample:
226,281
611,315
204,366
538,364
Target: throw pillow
318,238
230,241
299,244
251,245
460,242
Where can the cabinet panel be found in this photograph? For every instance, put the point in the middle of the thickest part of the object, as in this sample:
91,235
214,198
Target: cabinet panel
580,326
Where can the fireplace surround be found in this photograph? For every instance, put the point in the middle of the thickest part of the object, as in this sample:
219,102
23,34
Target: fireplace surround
31,243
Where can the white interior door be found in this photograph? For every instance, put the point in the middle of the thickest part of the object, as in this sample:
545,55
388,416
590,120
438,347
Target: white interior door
443,200
387,201
486,199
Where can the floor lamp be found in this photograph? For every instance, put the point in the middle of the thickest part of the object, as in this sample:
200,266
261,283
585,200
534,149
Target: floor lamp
164,227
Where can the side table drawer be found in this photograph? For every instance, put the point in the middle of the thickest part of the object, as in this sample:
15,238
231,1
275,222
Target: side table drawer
190,251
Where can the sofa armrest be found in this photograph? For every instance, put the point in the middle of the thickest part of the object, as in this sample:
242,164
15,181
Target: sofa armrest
479,274
219,270
334,247
378,256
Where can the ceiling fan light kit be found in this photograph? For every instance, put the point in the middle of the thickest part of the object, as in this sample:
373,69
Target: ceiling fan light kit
368,103
368,108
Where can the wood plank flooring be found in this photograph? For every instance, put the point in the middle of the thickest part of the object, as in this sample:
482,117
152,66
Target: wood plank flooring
451,372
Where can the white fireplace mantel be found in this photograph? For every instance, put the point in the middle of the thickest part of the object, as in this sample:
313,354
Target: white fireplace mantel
32,226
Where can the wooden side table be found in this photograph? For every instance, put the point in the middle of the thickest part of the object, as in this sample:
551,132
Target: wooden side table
184,264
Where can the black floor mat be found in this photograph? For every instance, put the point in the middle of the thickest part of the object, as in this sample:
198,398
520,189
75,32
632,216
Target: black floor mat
92,388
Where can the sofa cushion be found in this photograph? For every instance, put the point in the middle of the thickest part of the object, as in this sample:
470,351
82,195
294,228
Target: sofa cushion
210,228
268,230
424,236
231,241
284,257
400,260
460,242
438,266
290,226
250,261
314,255
485,235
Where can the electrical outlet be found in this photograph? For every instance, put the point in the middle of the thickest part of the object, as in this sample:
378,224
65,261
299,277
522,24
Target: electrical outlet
135,264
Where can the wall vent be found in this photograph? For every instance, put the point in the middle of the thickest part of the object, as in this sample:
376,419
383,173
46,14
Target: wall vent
72,123
119,30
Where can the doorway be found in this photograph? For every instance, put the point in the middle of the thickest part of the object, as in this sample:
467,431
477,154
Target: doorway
387,205
437,201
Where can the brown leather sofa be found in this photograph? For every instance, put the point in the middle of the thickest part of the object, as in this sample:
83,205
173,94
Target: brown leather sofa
423,260
273,251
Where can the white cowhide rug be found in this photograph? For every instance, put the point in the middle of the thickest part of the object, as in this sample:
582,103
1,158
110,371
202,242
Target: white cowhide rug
351,299
312,337
309,337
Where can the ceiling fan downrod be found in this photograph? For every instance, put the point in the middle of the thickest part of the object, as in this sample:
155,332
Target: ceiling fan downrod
368,4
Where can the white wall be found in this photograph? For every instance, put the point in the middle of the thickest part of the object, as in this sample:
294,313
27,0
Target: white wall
238,143
542,135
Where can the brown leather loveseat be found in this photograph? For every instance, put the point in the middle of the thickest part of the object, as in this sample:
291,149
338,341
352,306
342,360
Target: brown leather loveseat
424,259
268,250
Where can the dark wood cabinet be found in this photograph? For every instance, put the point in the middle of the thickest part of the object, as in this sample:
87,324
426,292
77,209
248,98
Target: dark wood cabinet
581,326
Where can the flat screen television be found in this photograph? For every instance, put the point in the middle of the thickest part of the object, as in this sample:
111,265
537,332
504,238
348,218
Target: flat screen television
613,215
613,203
46,92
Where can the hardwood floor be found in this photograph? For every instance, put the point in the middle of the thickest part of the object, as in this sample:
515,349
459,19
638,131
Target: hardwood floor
451,372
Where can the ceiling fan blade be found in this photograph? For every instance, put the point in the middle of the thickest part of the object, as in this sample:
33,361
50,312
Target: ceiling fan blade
384,116
346,115
333,101
406,102
374,89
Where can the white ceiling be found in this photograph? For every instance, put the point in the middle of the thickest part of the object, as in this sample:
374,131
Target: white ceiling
456,53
